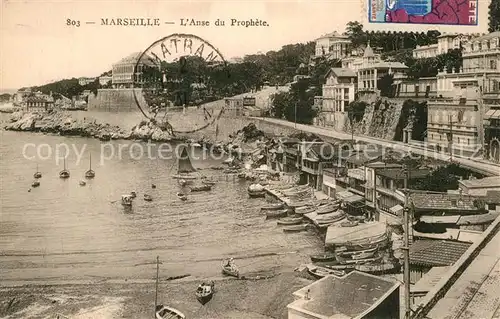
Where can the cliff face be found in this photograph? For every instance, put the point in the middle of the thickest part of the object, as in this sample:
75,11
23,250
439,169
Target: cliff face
381,117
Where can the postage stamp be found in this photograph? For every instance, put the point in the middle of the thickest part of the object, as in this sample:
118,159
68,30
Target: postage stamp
170,69
457,16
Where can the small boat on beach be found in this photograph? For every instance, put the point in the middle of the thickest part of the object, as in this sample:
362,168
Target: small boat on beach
304,210
205,292
295,228
277,213
230,269
359,252
127,200
326,209
133,194
35,183
379,269
320,272
182,197
161,311
349,223
82,183
330,219
273,206
256,190
148,198
37,174
323,257
290,221
153,186
346,261
90,173
201,188
64,173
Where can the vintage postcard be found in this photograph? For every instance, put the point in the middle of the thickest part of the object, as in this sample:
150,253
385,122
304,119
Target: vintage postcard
249,159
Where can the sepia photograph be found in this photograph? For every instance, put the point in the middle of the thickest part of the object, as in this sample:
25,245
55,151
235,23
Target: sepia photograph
267,159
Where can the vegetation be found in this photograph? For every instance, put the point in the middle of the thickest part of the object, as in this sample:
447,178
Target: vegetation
384,84
494,23
4,97
443,178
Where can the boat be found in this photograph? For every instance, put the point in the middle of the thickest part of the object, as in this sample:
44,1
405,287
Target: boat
127,200
290,221
64,173
273,206
37,174
256,190
82,183
205,292
346,261
337,266
330,219
153,186
323,257
230,269
328,208
349,223
350,253
35,183
148,198
185,167
320,272
133,194
363,255
208,182
90,173
161,311
379,269
201,188
304,210
182,197
295,228
276,213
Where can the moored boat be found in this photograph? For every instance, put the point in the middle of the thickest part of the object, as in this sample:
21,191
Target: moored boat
256,190
205,292
148,198
349,223
133,194
304,210
201,188
82,183
90,173
328,208
320,272
127,200
295,228
277,213
330,219
273,206
35,183
164,312
185,168
290,221
323,257
37,174
182,197
64,173
229,268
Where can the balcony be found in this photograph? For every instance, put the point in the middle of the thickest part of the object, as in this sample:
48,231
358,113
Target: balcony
395,194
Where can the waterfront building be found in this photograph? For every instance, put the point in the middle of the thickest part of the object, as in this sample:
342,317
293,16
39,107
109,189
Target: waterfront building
85,81
333,45
128,73
291,155
445,43
105,79
339,297
425,51
338,91
422,88
39,102
479,187
314,157
491,123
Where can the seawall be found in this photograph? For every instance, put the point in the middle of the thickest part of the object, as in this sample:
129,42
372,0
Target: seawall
114,100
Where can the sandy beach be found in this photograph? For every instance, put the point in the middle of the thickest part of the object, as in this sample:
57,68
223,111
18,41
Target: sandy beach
252,299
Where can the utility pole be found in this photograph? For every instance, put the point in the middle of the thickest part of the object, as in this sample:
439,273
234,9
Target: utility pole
406,248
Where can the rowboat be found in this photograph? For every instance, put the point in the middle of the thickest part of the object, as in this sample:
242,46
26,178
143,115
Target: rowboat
304,210
228,268
358,261
164,312
276,213
82,183
182,197
300,203
35,183
256,194
329,208
323,257
273,206
295,228
201,188
148,198
205,292
359,252
127,200
37,174
363,255
379,269
330,219
290,221
349,223
320,272
338,266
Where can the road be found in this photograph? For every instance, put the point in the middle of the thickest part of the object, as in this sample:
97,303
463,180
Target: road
478,165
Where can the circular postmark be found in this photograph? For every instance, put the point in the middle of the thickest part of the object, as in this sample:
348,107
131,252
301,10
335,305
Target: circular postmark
176,72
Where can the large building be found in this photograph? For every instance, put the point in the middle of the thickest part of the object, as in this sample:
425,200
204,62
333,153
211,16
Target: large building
333,45
128,73
445,43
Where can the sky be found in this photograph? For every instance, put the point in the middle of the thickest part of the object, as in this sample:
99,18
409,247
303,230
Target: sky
38,47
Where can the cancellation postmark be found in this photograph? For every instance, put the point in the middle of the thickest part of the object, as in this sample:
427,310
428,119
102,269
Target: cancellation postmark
172,73
449,16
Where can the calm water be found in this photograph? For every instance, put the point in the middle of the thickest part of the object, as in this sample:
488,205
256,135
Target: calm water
62,231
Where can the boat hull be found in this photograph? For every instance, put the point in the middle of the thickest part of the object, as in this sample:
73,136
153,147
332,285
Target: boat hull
185,177
290,222
295,228
204,188
323,258
163,312
257,194
273,207
230,272
276,214
205,298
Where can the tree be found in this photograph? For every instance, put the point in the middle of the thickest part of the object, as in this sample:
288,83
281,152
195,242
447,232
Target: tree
355,113
384,84
354,30
494,23
280,102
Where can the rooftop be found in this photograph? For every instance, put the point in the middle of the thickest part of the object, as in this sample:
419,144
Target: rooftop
363,157
430,279
489,36
397,173
423,200
493,181
383,165
432,253
341,72
492,197
343,297
132,59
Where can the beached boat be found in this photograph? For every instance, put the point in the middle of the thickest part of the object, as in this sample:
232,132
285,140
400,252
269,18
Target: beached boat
35,183
37,174
82,183
323,257
148,198
277,213
336,266
290,221
256,190
349,223
329,208
363,255
205,292
304,210
300,203
273,206
185,168
208,182
153,186
230,269
201,188
161,311
133,194
347,261
64,173
90,173
330,219
320,272
127,200
182,197
295,228
359,252
379,269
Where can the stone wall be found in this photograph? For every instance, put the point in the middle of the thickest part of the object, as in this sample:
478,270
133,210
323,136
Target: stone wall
115,100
